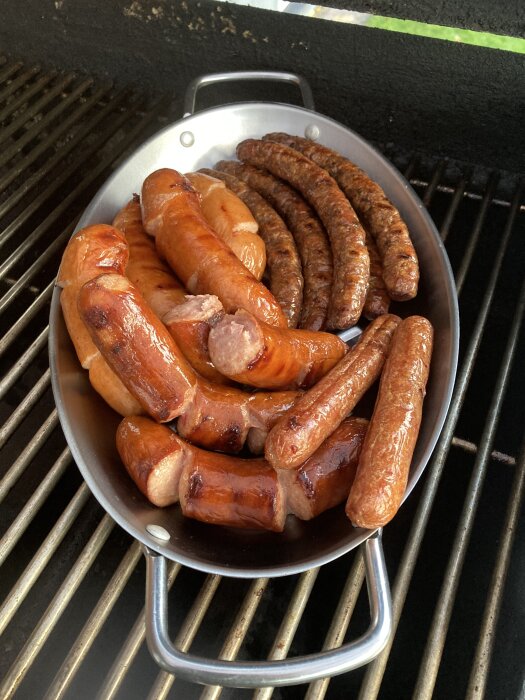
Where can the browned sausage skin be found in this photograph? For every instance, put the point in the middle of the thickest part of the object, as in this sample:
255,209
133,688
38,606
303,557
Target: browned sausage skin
347,237
378,214
324,480
310,237
231,220
204,264
283,264
89,253
317,413
385,459
252,352
377,301
137,346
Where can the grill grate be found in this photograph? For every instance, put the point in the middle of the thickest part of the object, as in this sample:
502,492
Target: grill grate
72,618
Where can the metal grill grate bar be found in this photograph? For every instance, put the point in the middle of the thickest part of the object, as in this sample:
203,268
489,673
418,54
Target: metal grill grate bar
27,94
9,70
19,81
373,677
459,194
436,641
28,315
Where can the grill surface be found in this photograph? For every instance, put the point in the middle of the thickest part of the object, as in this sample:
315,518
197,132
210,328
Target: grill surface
71,615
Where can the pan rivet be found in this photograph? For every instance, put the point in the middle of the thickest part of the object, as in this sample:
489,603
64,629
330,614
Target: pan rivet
158,532
312,132
187,139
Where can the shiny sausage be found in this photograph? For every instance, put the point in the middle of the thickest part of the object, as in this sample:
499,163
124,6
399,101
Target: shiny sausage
378,214
283,263
317,413
384,464
347,237
252,352
137,346
310,238
205,265
324,480
231,220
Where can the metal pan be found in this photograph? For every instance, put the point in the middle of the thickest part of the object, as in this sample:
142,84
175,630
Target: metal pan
196,141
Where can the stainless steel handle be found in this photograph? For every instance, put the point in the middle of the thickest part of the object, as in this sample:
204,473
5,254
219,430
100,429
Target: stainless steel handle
291,671
203,80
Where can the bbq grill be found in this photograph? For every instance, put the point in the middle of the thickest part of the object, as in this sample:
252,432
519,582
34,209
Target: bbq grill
72,594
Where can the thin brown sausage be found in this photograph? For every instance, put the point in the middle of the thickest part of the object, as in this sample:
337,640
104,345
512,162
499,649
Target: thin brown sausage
317,413
384,464
378,214
310,237
282,259
137,346
204,263
251,352
377,300
347,237
324,480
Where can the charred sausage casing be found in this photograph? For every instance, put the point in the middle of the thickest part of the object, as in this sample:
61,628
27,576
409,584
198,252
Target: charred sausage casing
252,352
347,237
318,412
385,459
204,263
137,346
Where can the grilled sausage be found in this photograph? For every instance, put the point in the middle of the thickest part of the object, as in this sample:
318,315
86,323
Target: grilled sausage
324,480
283,264
377,300
310,238
347,237
384,463
378,214
204,264
231,220
190,324
189,316
317,413
219,417
252,352
137,346
89,253
153,456
225,490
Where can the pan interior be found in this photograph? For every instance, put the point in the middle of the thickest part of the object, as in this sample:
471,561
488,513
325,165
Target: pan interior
89,424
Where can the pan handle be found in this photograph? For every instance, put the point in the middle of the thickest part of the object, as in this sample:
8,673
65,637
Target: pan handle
209,79
291,671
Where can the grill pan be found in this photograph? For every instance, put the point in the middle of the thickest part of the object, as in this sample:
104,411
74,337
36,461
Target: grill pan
200,140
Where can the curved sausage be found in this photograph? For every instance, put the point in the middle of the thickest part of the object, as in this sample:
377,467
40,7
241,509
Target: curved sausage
252,352
310,238
137,346
89,253
204,264
231,220
283,264
377,301
317,413
384,464
324,480
378,214
347,237
189,316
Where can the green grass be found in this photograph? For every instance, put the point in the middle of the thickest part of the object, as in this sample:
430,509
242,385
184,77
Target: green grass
465,36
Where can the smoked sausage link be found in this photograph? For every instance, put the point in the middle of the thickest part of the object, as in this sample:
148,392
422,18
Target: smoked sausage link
379,216
252,352
137,346
320,410
347,237
204,263
384,464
